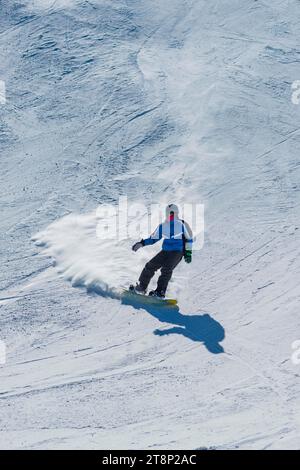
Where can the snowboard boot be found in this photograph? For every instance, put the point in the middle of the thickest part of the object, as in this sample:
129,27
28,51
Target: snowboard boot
157,293
138,289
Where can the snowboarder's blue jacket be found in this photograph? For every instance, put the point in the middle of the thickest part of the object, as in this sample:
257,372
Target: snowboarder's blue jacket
176,233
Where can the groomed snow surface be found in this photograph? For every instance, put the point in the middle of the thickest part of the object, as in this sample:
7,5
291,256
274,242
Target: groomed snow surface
160,101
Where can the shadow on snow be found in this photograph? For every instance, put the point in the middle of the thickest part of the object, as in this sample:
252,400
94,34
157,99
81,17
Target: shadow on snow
202,328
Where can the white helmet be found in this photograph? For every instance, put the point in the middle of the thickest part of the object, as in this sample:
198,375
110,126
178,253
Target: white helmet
172,208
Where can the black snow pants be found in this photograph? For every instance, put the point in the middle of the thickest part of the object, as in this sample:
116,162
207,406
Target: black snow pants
166,261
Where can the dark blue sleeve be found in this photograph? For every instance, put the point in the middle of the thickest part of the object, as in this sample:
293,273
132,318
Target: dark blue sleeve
154,237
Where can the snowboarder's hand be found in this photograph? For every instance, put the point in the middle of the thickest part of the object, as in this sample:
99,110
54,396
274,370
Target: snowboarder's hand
137,246
188,256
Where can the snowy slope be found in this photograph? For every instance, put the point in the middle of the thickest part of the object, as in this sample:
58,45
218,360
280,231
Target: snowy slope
179,101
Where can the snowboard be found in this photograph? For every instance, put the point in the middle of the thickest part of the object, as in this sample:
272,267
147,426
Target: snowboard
148,299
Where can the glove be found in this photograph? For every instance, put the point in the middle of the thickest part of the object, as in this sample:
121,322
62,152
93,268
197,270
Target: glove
138,245
188,256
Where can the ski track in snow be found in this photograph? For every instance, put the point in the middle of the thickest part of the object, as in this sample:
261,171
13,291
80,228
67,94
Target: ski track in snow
184,101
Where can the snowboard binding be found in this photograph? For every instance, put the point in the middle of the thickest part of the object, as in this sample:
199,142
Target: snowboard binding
157,293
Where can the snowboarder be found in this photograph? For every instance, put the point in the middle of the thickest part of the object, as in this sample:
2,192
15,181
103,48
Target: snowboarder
177,244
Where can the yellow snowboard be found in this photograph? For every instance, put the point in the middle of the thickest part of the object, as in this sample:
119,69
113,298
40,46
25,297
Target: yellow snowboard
148,299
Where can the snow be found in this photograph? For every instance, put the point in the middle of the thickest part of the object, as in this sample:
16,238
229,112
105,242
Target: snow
174,101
